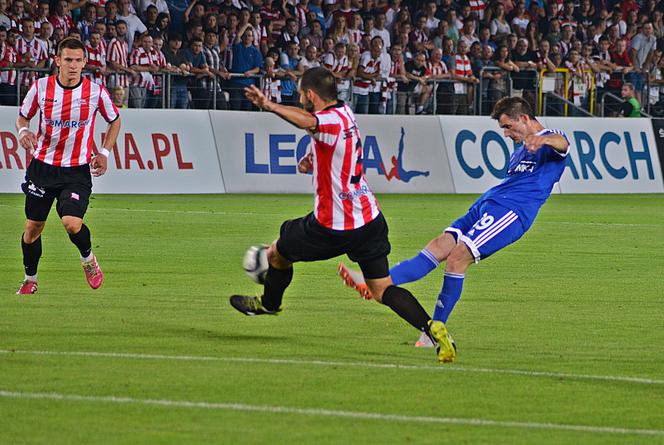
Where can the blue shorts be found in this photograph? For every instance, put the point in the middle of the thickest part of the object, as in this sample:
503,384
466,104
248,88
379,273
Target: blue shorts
487,228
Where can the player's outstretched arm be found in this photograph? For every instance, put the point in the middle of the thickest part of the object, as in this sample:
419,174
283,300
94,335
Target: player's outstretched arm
296,116
556,141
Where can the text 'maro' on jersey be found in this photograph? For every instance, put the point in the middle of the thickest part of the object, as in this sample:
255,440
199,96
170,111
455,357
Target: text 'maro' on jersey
343,200
67,119
530,179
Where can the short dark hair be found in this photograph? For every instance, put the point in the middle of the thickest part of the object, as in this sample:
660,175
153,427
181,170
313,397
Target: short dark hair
512,107
70,43
321,81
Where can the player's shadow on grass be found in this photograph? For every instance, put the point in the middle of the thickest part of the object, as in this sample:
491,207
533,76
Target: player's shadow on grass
210,334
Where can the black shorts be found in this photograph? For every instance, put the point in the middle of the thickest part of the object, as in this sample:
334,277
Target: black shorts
305,239
44,183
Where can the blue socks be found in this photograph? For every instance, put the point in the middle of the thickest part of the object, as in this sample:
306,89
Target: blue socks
419,266
449,295
414,268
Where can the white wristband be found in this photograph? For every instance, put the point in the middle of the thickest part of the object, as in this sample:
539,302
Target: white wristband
104,152
22,129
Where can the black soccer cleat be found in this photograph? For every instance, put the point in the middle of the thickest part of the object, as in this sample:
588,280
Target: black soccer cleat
250,305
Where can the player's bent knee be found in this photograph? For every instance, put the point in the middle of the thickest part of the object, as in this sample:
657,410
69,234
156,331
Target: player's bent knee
33,230
442,246
72,224
459,259
275,259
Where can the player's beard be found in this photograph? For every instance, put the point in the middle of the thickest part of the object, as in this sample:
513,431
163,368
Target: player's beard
308,106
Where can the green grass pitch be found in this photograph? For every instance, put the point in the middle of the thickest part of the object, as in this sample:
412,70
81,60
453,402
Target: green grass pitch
561,335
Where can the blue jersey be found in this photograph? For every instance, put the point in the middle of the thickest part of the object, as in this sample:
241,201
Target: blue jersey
529,181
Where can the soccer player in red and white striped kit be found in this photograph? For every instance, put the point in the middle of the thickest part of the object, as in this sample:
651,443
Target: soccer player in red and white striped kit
346,218
63,157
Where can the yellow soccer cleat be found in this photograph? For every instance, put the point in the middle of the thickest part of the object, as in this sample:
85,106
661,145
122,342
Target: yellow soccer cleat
445,348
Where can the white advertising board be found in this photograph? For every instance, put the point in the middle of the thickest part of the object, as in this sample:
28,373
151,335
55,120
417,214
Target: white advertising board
13,158
606,155
479,154
612,155
259,154
157,151
175,151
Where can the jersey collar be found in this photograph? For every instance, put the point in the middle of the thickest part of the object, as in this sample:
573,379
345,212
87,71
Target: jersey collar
339,104
68,88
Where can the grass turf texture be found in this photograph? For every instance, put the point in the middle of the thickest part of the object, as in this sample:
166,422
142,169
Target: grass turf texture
580,294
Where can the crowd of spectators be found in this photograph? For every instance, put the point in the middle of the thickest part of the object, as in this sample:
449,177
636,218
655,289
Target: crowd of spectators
385,53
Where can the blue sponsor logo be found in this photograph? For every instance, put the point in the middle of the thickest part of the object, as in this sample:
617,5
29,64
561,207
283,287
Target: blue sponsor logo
354,194
67,123
285,149
592,153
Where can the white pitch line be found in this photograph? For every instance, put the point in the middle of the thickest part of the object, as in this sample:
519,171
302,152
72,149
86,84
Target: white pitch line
225,213
322,412
325,363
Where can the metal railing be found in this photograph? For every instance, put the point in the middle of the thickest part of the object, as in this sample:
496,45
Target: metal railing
197,88
564,88
491,93
621,101
567,103
217,93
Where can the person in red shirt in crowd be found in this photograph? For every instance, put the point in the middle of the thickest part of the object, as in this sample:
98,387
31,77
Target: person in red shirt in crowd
62,17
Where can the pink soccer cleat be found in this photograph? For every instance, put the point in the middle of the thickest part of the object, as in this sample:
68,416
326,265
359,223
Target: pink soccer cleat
424,341
27,288
355,280
93,273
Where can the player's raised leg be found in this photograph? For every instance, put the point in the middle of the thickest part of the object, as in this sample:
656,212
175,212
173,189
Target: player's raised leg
425,261
406,271
278,278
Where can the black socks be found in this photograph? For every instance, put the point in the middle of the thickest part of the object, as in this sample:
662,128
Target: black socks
276,282
406,306
82,241
31,254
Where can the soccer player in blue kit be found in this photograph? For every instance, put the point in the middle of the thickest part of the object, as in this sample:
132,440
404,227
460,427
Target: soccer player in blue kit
497,219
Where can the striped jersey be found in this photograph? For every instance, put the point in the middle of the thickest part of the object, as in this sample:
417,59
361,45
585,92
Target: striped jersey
140,57
478,7
158,59
65,22
338,65
343,200
436,69
97,59
8,57
354,36
66,119
381,64
118,53
462,68
272,89
37,51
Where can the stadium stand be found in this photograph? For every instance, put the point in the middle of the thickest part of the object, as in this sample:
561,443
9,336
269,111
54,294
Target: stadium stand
566,57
